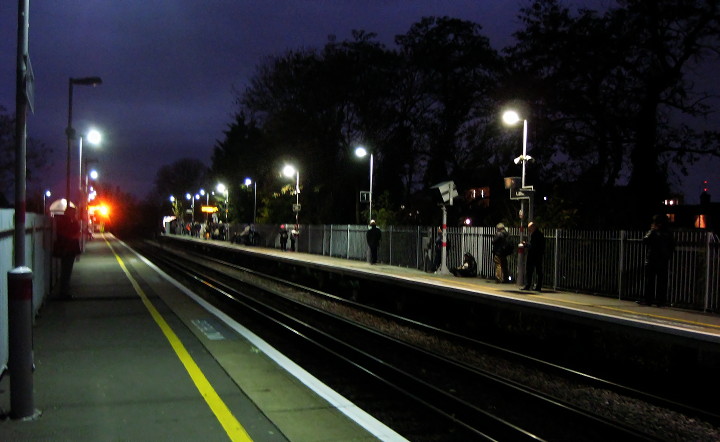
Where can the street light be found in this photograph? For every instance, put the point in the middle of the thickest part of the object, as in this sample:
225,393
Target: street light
45,196
361,152
93,137
248,182
289,171
69,131
511,117
192,199
222,189
89,190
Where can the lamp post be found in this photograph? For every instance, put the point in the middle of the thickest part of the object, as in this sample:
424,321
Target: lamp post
192,205
289,171
174,204
222,189
69,131
207,202
248,182
192,199
46,195
93,137
511,117
361,152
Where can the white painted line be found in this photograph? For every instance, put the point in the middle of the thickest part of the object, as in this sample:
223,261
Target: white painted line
352,411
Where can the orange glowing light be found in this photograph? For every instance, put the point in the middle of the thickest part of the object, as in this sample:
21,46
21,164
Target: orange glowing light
100,209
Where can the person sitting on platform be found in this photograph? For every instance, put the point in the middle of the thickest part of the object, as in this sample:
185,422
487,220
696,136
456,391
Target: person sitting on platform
468,267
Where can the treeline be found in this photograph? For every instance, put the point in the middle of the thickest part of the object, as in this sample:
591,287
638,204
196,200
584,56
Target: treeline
608,97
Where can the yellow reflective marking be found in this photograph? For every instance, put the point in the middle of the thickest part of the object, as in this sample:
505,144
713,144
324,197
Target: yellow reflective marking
232,427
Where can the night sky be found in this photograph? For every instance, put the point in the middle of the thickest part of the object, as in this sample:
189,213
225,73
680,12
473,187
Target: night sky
171,69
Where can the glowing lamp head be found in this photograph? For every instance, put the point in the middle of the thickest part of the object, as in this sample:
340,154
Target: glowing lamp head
511,117
288,171
93,137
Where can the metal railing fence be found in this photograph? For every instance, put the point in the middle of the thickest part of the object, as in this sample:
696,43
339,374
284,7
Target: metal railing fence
604,263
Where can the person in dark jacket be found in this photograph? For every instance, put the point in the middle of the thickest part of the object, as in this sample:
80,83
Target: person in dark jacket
499,251
67,246
535,250
468,267
373,240
660,246
283,238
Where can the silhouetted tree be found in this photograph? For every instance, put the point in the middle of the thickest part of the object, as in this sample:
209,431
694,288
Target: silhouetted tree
606,92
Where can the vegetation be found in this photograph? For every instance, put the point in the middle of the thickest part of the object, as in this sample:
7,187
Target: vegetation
608,97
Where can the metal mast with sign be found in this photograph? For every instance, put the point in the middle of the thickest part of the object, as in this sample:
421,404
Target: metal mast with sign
448,191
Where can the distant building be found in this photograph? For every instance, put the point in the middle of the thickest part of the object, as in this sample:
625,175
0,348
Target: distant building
705,215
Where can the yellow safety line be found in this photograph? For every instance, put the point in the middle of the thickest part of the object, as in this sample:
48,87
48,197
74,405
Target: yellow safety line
232,427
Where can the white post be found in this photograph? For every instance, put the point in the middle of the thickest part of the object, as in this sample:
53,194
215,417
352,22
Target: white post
443,256
371,187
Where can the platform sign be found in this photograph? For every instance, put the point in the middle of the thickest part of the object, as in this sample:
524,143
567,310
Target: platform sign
364,196
448,191
209,209
296,208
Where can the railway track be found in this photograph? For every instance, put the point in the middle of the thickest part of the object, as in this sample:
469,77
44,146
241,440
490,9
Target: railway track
426,383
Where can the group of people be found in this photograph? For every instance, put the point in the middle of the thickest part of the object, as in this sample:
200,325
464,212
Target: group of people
285,235
502,247
207,230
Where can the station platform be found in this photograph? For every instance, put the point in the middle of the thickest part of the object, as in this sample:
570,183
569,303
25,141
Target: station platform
135,356
669,320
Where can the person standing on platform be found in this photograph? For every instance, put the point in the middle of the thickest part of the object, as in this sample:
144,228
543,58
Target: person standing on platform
499,251
283,238
294,233
660,247
535,250
373,240
67,246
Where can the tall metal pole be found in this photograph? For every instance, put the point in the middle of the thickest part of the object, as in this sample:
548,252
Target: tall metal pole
70,132
371,188
524,161
297,199
20,362
443,255
255,202
522,257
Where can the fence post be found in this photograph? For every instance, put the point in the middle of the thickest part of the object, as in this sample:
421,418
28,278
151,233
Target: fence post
331,241
708,260
390,246
621,262
418,246
556,258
